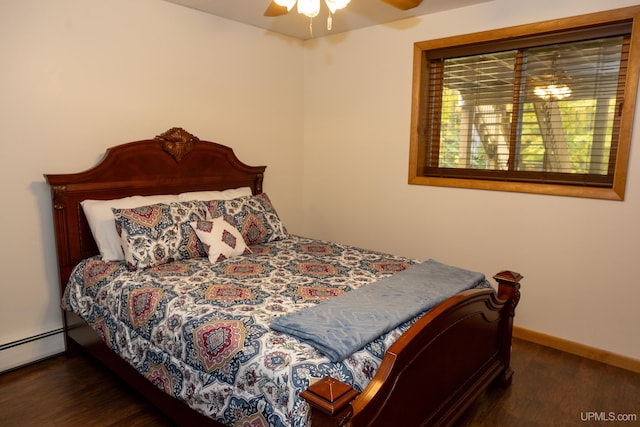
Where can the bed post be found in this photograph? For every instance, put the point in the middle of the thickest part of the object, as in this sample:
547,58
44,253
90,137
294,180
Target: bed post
331,402
508,290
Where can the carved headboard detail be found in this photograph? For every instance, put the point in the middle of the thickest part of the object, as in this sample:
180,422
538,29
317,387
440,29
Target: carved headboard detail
177,142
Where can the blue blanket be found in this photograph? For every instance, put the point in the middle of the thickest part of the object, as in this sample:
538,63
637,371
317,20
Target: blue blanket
342,325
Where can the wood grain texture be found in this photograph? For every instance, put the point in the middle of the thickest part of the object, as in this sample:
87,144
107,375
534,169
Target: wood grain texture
72,392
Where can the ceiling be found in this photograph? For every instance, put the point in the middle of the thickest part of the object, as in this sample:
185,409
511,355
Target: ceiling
358,14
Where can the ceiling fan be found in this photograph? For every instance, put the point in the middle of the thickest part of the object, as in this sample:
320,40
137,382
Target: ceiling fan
311,8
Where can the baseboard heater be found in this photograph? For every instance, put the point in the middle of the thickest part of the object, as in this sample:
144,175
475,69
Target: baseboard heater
12,359
31,339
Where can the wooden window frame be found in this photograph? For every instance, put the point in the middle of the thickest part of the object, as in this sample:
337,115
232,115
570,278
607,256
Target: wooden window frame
584,24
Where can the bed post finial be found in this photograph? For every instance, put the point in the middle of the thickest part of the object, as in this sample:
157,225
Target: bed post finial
509,288
330,401
177,142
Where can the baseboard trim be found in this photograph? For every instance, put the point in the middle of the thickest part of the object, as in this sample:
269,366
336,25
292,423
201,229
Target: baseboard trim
28,350
578,349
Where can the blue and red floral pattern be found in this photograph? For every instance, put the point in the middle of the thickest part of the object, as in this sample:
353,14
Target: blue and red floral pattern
200,330
254,216
158,234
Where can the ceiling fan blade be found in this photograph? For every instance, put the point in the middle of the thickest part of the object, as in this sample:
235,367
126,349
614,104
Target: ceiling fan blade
275,9
403,4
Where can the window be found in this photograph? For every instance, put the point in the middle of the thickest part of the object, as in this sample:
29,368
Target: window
543,108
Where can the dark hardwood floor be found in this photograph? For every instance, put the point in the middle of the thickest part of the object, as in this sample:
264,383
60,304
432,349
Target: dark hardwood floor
554,388
550,388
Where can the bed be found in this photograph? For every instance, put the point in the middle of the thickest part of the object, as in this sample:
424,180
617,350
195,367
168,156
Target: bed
424,371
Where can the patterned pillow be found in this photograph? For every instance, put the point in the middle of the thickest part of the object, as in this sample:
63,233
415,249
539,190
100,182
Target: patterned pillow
103,227
254,216
157,234
220,239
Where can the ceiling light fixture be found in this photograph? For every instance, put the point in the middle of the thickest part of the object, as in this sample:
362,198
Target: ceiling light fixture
311,8
556,87
553,92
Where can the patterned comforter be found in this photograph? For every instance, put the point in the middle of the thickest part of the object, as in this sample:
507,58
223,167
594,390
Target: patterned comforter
200,330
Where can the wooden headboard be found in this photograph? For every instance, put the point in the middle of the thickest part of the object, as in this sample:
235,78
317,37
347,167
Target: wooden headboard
171,163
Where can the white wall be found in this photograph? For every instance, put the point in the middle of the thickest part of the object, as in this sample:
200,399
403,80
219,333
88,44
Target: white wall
578,256
78,76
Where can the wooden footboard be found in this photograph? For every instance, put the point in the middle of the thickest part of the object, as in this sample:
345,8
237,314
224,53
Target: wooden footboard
435,370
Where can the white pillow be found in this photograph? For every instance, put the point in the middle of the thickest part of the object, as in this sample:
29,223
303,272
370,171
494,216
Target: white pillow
232,193
102,222
220,239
